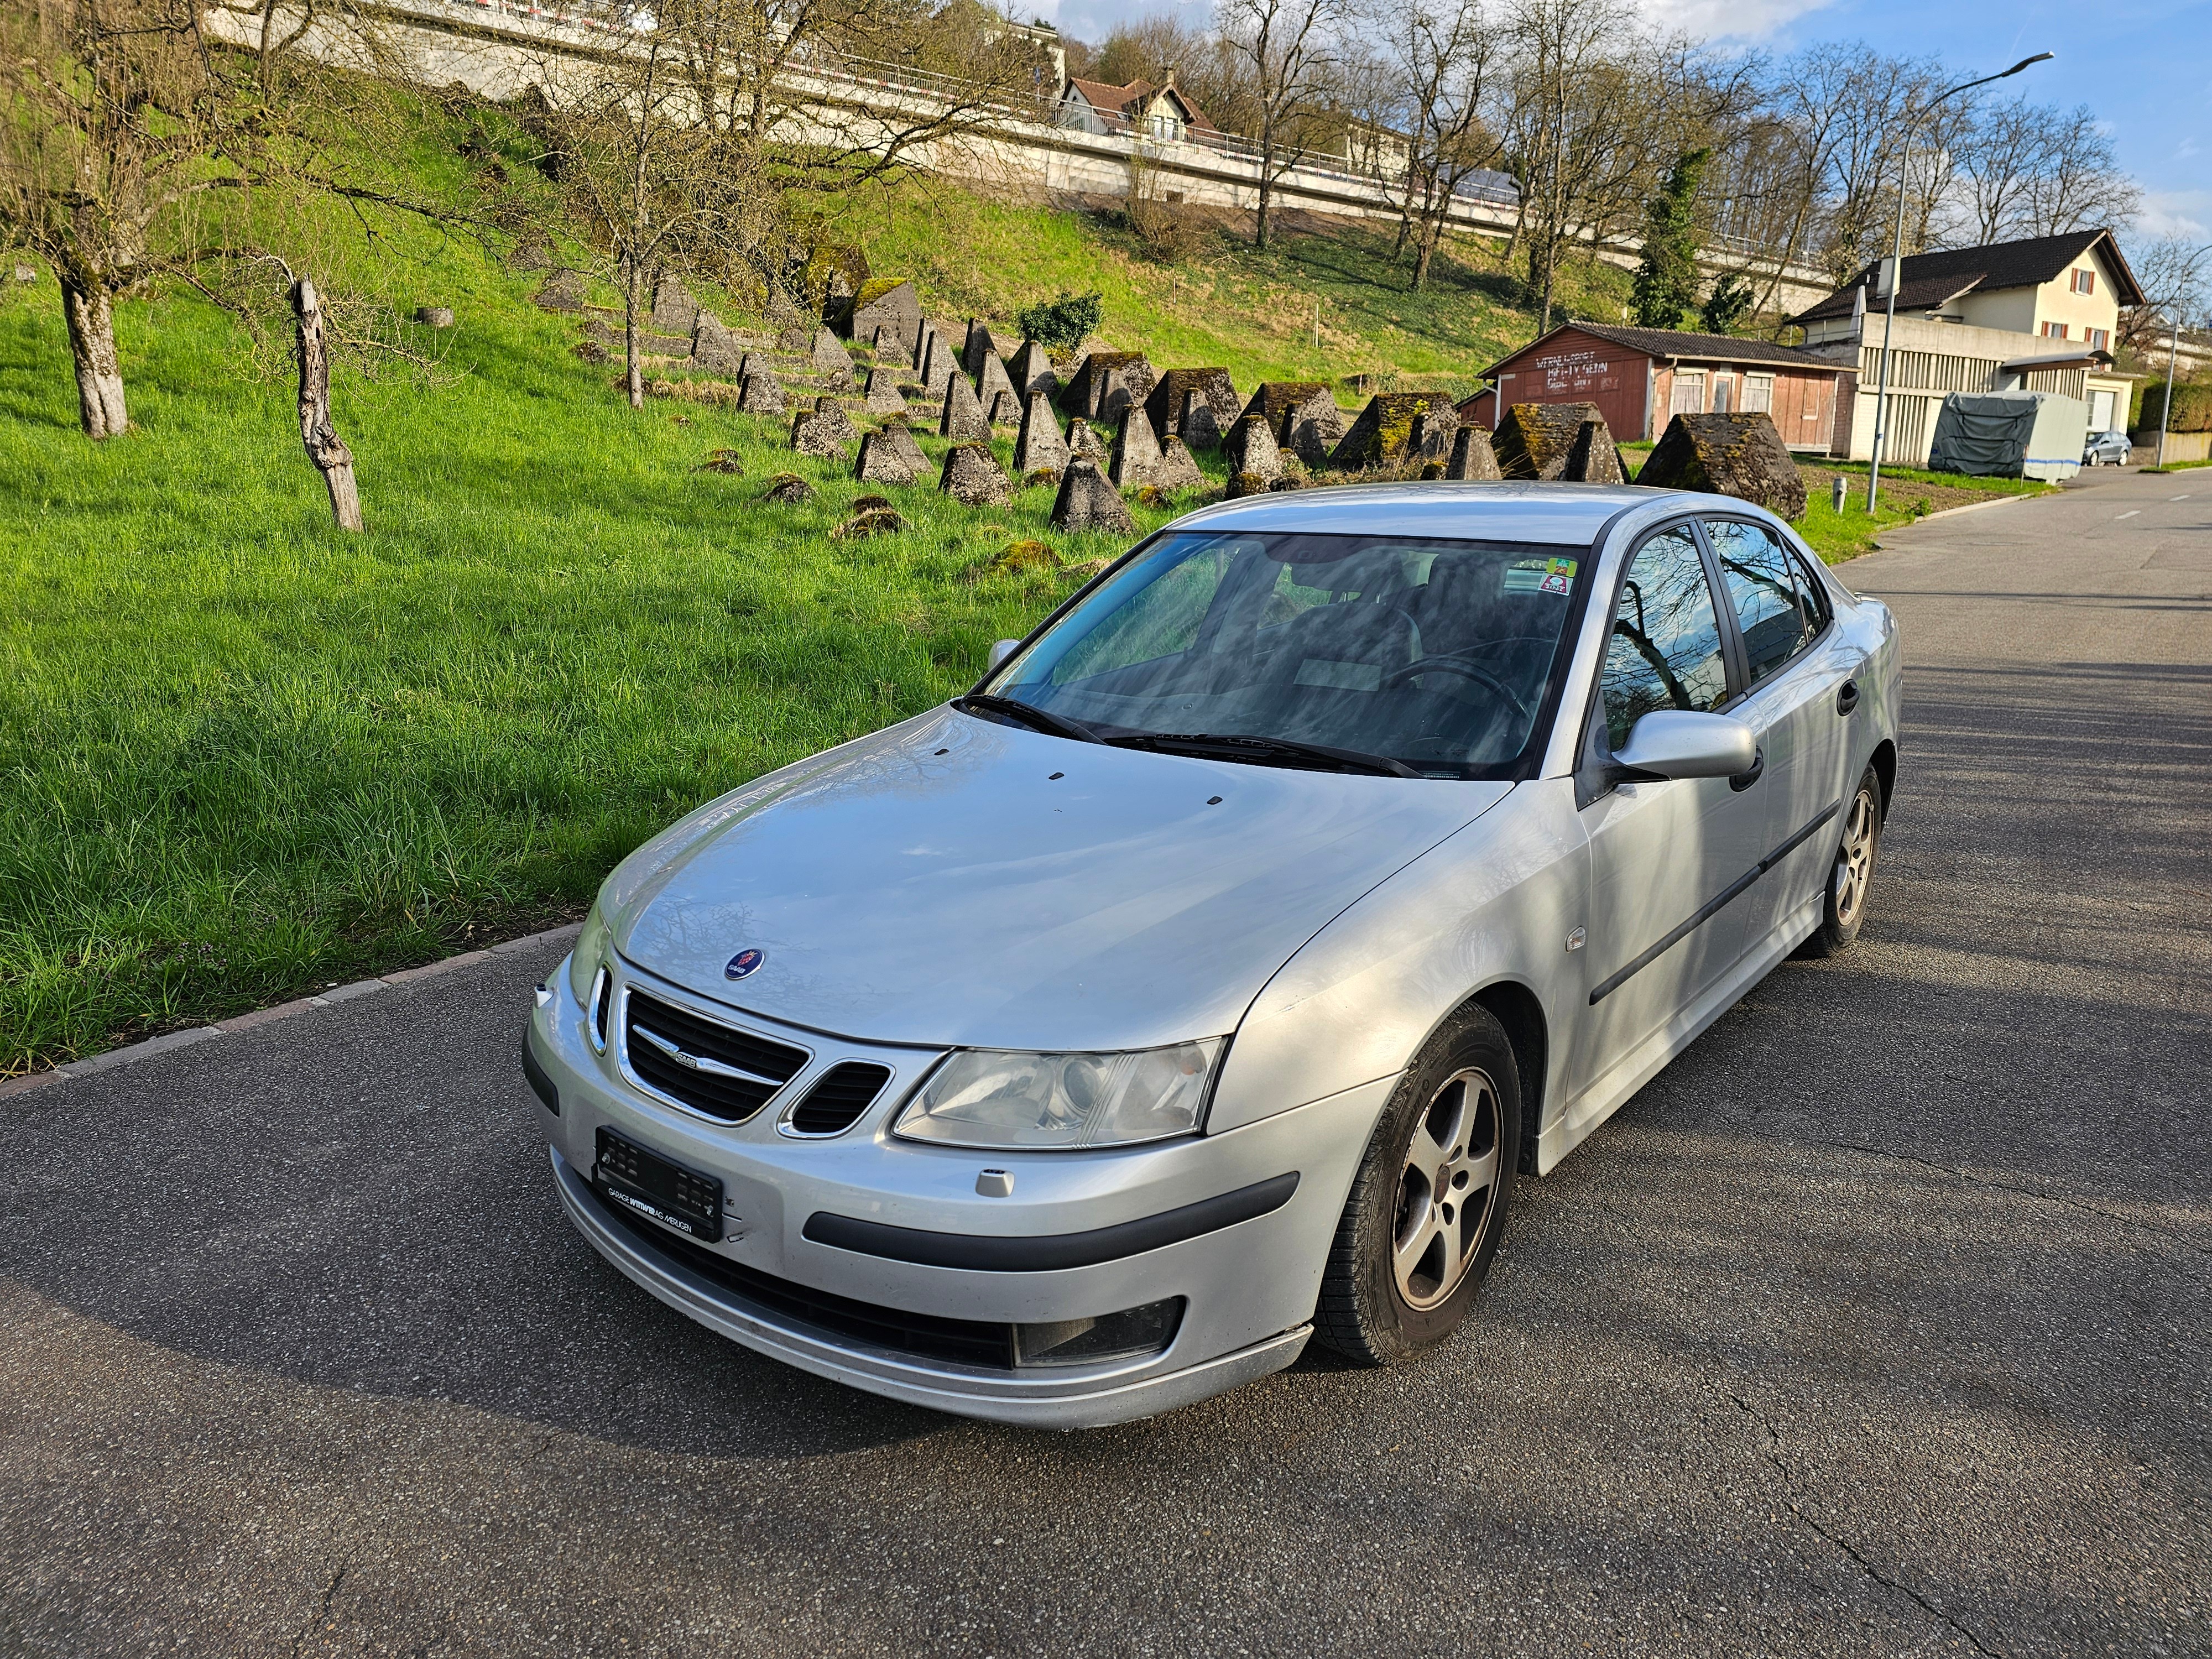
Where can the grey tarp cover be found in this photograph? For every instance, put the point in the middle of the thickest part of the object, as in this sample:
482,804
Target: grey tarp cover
2009,434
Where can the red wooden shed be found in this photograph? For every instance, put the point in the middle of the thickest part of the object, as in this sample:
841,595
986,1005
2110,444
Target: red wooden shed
1641,377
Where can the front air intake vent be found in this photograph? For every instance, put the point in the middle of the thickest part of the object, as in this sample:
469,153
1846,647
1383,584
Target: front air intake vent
834,1104
713,1068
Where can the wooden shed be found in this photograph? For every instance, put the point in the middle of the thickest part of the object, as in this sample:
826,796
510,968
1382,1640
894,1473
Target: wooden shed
1641,377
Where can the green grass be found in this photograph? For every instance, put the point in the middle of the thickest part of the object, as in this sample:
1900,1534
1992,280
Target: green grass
243,757
1230,306
1906,495
2176,467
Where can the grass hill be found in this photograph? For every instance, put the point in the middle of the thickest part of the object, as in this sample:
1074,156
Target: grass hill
1222,301
243,756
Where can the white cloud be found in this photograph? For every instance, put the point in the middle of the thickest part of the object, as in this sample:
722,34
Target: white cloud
1728,19
2175,213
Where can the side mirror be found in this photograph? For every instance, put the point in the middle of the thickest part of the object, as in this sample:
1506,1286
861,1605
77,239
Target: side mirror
1002,649
1675,744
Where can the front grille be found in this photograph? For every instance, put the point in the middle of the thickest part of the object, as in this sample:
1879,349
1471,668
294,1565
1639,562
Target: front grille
834,1104
731,1073
927,1336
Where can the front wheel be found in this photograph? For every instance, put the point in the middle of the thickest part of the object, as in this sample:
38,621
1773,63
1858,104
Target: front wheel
1850,878
1418,1231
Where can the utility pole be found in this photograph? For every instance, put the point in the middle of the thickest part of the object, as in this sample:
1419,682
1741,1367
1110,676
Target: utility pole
1897,261
2166,410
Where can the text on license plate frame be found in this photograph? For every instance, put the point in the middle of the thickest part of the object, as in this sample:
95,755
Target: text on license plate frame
650,1184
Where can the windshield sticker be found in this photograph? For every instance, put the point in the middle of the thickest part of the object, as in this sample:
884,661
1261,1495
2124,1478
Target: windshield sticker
1540,576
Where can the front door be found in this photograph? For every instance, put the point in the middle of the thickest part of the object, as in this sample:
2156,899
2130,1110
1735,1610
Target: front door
1661,853
1799,669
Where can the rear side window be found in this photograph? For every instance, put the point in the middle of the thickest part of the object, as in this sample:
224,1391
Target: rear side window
1665,652
1767,590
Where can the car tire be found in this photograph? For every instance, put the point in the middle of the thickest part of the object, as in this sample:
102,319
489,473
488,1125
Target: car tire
1418,1231
1850,876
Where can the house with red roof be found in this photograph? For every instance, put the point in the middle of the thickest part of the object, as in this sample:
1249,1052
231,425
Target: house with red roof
1165,112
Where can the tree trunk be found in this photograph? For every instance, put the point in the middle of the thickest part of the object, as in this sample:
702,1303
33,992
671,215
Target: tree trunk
1425,249
91,317
633,371
324,445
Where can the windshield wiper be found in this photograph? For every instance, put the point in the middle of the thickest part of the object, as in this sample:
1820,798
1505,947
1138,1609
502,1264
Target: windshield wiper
1040,720
1233,746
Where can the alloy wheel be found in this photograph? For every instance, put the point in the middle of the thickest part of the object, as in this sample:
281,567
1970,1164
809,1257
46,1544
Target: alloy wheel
1445,1189
1855,860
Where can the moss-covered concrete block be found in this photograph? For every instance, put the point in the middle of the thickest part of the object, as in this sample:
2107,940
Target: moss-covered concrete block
1165,405
1537,440
1398,428
1735,454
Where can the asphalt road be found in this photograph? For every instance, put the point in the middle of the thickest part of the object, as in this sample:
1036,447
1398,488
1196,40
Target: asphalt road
1877,1324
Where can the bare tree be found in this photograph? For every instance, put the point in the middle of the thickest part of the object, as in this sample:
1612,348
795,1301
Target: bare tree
1996,162
1598,110
1290,48
2175,274
651,177
114,116
1444,57
678,143
2078,181
140,131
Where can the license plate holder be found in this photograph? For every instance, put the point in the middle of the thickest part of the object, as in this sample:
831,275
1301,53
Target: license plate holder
647,1184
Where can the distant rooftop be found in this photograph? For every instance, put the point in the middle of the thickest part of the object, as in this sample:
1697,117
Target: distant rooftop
1932,280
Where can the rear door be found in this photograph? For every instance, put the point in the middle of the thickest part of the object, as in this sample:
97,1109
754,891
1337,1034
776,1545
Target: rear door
1802,686
1661,853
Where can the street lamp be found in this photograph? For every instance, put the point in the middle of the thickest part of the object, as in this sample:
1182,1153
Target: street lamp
2166,410
1897,259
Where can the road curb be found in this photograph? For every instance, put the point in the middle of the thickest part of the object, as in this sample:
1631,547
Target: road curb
130,1054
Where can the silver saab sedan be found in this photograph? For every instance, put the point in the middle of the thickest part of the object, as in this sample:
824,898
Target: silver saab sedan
1198,985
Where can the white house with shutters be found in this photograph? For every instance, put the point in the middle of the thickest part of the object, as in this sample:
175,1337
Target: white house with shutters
2040,315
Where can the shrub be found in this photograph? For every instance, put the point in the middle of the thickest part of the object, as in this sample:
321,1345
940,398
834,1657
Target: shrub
1061,324
1727,306
2192,405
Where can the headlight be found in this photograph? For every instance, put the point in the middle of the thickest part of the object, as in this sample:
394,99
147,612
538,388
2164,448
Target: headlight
1047,1102
590,954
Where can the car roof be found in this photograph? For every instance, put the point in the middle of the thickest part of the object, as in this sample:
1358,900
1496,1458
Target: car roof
1514,511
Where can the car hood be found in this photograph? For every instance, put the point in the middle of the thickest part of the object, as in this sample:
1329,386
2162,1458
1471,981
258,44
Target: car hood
953,881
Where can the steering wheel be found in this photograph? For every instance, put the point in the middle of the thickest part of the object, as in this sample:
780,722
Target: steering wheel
1466,669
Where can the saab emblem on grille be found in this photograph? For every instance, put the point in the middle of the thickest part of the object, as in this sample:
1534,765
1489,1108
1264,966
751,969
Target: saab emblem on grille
742,964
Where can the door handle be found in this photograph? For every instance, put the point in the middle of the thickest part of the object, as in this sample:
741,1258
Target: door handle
1743,780
1847,697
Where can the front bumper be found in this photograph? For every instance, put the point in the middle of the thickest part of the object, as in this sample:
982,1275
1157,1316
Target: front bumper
1249,1288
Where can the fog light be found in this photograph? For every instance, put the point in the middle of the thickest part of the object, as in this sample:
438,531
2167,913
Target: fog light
1120,1336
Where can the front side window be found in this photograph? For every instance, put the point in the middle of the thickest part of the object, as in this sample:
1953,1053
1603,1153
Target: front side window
1436,654
1665,652
1689,393
1758,392
1766,591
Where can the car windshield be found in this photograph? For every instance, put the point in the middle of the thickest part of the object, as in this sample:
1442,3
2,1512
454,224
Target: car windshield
1423,654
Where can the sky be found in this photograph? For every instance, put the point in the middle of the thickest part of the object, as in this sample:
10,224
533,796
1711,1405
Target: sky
2144,66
